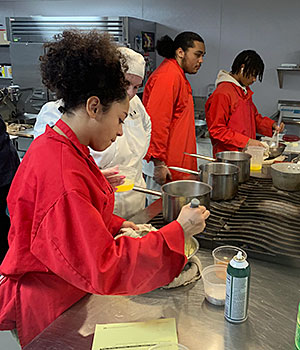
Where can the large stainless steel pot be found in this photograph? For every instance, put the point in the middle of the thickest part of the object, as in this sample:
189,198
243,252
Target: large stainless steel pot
240,159
286,176
222,177
176,194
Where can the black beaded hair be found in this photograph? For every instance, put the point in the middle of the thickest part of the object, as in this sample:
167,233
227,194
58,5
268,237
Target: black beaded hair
78,65
253,64
166,47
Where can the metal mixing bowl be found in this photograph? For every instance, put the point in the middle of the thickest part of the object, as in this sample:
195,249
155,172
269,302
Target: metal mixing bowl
194,247
276,151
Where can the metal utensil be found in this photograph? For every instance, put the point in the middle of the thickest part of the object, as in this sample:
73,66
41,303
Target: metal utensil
275,138
188,243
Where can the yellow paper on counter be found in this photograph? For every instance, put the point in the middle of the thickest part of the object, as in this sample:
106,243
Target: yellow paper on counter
134,335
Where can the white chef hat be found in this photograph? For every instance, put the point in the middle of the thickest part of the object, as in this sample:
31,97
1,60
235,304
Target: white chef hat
135,61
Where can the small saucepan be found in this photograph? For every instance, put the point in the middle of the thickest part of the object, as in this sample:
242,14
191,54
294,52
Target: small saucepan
240,159
222,177
176,194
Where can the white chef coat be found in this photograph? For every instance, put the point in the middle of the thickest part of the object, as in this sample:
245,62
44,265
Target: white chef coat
127,151
48,115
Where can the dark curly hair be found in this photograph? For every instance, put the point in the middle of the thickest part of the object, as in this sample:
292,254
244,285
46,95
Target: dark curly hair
166,47
253,64
78,65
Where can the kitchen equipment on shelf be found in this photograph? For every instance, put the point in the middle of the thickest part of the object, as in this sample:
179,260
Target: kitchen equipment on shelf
286,176
27,44
176,194
222,177
290,111
240,159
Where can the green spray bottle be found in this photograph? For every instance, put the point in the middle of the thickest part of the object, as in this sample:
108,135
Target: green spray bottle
237,289
297,335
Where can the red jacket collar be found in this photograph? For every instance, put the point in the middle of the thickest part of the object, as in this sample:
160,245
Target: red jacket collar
72,137
239,90
175,63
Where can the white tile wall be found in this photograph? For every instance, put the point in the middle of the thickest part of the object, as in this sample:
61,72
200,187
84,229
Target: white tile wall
269,27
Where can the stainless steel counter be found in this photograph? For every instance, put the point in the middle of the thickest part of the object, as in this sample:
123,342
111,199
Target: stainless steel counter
274,298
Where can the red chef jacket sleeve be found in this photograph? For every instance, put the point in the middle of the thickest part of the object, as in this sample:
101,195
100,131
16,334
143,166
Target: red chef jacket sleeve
217,112
81,250
159,105
264,125
115,224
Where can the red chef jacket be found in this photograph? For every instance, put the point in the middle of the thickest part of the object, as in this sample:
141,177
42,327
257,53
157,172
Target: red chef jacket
232,118
168,100
61,243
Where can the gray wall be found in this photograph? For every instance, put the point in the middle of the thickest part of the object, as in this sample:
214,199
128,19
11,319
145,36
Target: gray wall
271,27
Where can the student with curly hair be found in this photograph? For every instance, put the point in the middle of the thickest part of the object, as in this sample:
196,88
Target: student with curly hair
231,116
127,152
61,241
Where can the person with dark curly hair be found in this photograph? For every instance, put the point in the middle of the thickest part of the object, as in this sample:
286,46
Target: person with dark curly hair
62,241
123,159
169,102
231,116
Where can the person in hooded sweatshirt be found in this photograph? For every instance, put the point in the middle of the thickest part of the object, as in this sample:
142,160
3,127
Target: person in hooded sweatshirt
231,116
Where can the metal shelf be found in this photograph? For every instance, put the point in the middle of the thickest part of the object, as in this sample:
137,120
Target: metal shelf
282,70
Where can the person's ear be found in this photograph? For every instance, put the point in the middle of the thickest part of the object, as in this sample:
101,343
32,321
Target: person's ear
242,69
93,107
179,53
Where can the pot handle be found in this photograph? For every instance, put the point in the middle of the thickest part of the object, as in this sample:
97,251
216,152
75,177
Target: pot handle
183,170
200,156
147,191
